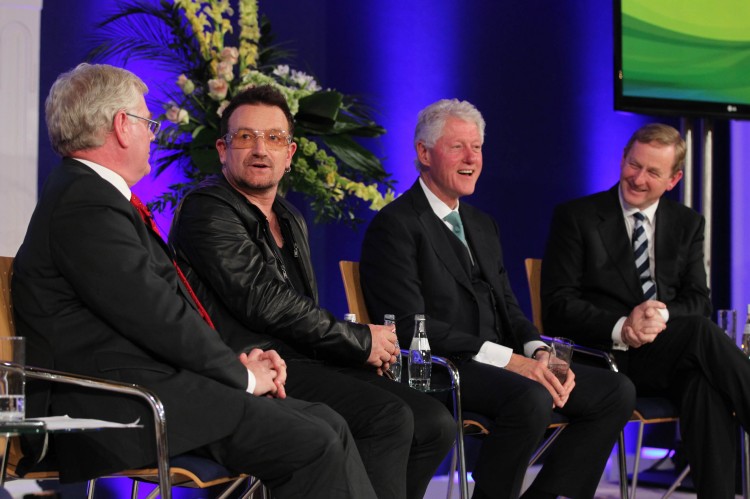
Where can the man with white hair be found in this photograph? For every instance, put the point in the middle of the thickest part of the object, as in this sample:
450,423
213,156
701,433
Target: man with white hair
423,253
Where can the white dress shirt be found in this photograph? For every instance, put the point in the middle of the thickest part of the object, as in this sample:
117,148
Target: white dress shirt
649,226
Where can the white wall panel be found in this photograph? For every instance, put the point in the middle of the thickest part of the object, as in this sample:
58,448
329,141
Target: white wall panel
19,117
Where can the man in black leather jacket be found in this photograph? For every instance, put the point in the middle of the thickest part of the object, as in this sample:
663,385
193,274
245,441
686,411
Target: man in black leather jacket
245,251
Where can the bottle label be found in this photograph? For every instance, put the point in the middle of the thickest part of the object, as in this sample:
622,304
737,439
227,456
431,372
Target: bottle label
419,344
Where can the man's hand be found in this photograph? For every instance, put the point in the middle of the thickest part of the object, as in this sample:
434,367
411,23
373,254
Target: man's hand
383,351
537,370
643,324
269,370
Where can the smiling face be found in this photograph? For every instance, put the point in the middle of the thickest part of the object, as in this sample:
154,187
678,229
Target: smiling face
452,166
646,173
258,169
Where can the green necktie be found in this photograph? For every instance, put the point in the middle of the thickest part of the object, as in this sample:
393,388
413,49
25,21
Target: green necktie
454,219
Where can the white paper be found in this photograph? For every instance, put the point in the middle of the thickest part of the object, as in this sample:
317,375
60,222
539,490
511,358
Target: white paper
63,423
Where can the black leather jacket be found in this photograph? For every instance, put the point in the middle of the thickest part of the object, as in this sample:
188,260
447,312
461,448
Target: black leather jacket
223,245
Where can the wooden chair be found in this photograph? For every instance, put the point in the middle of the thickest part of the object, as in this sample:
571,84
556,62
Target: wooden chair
183,471
648,410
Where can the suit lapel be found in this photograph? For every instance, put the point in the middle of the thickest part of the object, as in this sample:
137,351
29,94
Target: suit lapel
615,240
666,233
435,232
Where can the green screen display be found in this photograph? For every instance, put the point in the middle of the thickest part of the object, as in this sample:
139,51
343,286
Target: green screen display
686,56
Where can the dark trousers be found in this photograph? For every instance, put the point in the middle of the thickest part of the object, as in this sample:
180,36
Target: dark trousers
298,449
521,409
708,377
402,435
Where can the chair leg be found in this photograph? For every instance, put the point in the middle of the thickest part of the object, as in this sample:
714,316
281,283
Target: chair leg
623,464
677,482
745,464
134,489
546,445
232,487
153,495
452,473
637,463
90,488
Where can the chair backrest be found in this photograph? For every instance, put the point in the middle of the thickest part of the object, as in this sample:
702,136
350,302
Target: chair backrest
6,310
534,277
354,297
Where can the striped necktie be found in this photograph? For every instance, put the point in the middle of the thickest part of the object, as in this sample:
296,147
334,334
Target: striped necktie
640,249
148,219
454,219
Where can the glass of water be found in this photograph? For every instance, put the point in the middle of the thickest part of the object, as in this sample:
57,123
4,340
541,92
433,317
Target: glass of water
395,369
12,379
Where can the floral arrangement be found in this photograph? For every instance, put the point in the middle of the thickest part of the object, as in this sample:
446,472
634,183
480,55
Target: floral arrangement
199,41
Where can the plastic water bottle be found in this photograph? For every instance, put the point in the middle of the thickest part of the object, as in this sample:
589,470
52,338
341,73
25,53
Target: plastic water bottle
395,369
420,358
746,334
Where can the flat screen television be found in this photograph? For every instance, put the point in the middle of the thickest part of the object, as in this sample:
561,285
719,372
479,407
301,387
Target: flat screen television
683,57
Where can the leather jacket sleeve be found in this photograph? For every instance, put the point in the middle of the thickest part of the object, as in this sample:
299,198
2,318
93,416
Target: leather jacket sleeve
221,243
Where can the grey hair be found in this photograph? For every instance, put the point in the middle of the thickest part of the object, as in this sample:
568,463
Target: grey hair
431,121
82,104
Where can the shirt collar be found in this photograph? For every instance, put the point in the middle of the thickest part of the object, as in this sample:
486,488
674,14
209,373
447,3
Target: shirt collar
629,211
113,178
438,207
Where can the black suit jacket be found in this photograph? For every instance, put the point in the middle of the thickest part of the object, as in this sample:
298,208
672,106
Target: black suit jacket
409,266
95,293
589,278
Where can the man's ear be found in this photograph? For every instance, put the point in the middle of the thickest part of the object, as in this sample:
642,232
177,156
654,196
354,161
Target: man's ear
423,154
674,180
121,128
221,148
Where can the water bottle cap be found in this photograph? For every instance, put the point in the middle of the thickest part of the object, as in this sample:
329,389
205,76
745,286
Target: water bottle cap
420,317
389,317
350,317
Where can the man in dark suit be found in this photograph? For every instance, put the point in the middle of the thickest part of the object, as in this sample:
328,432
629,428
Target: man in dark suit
624,271
412,262
96,293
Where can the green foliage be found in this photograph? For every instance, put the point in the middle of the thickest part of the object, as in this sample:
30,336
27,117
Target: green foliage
219,50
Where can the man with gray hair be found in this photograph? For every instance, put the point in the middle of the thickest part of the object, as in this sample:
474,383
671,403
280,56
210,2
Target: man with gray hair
96,293
423,253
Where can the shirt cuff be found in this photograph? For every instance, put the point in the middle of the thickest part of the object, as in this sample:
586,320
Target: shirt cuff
532,346
664,313
250,382
493,354
617,343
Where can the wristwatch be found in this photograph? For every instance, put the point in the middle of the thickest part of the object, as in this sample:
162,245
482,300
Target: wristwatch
540,349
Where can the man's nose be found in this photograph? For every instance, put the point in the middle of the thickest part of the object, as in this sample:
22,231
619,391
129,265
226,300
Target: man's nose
259,147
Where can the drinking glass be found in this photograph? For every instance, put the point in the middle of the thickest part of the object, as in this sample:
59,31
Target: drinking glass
560,357
12,379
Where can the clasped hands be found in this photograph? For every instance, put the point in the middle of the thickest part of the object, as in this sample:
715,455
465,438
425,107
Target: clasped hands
537,370
643,324
383,352
269,370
